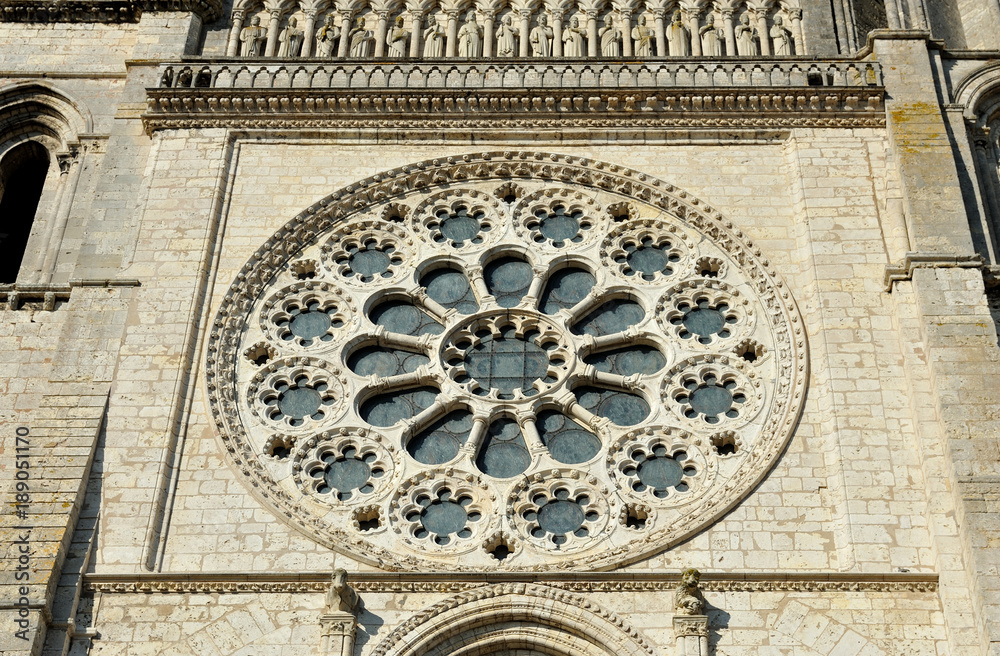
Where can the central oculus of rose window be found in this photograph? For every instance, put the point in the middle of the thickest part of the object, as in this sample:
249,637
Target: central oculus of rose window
475,359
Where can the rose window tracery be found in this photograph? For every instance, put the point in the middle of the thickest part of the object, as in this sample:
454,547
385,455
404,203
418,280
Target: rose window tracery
505,386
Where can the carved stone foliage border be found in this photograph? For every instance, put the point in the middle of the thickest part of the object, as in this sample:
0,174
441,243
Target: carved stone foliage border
205,584
181,108
100,11
224,339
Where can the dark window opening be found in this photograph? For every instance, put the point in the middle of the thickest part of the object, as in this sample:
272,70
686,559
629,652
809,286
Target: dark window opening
22,176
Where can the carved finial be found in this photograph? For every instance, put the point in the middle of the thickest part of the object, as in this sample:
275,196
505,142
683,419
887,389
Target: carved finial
688,599
341,596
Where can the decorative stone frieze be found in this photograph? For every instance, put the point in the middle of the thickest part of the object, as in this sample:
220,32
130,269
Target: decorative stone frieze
498,95
425,393
100,11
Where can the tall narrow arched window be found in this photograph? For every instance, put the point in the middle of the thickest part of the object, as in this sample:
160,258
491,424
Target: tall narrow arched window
22,176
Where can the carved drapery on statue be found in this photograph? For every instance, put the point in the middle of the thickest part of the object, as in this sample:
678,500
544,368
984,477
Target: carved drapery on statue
586,28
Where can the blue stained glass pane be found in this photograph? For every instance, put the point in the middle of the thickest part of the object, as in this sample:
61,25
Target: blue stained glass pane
711,400
299,402
622,408
310,324
560,226
660,473
383,361
444,517
649,258
566,288
611,317
393,407
504,452
639,359
347,474
567,441
451,289
404,318
460,226
561,517
704,322
508,280
506,363
370,262
440,441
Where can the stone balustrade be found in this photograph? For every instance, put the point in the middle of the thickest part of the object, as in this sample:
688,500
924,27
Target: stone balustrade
688,73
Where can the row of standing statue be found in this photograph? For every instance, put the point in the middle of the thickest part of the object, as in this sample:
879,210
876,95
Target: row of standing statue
510,39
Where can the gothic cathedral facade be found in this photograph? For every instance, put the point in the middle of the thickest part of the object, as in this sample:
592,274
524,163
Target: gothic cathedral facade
500,327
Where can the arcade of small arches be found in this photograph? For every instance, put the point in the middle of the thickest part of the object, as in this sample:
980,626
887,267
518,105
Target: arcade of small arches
428,29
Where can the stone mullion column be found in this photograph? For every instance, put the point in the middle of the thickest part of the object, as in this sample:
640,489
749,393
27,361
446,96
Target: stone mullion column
69,180
233,46
986,164
380,29
690,635
523,42
730,30
309,34
557,32
592,40
765,35
795,16
345,30
659,17
272,33
451,45
694,27
416,33
626,17
488,36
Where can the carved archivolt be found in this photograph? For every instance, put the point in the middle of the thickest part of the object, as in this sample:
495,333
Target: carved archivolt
519,615
471,363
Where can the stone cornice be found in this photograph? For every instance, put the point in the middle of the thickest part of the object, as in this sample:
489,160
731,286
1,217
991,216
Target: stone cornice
318,582
911,261
100,11
17,294
499,95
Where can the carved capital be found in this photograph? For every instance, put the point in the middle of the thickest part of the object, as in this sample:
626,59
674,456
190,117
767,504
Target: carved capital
691,625
238,15
794,14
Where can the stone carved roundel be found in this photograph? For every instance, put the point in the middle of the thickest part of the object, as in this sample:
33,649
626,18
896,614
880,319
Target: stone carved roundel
508,360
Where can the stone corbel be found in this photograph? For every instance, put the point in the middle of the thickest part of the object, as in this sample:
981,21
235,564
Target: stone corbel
338,624
690,622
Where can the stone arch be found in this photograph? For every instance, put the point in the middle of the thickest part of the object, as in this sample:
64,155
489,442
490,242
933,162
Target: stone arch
535,618
40,128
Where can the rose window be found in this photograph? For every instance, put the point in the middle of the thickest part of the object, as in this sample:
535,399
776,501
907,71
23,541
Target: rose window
524,374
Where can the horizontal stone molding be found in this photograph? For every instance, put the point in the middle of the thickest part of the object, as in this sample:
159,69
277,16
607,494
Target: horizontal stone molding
28,295
497,110
318,582
911,261
100,11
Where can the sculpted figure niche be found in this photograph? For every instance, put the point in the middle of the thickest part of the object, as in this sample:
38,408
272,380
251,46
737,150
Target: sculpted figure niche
362,41
253,39
573,40
327,38
711,38
746,38
541,38
642,37
433,38
507,36
290,40
397,38
781,37
470,37
611,38
677,37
